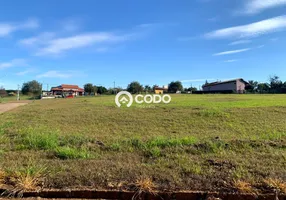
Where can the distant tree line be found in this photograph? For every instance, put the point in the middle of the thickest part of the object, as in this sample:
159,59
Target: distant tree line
274,86
3,92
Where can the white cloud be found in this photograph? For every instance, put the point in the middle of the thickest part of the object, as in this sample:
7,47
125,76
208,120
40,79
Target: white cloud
59,45
50,44
231,52
40,39
240,42
257,6
12,63
22,73
71,25
250,30
60,74
230,61
8,28
54,74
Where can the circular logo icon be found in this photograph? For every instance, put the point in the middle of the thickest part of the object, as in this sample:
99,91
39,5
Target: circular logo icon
120,99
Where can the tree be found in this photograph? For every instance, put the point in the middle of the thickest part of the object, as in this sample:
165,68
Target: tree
206,83
32,87
284,87
3,92
95,89
147,89
101,90
88,88
135,87
275,84
263,88
175,86
154,86
192,89
252,86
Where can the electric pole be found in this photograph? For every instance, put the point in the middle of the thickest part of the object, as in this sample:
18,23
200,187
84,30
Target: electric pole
18,93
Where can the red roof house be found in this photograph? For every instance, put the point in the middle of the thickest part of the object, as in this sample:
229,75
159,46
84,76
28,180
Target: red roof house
67,90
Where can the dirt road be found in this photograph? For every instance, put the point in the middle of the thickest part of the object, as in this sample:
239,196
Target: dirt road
9,106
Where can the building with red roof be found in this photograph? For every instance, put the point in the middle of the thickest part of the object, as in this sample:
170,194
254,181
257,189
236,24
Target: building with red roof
67,90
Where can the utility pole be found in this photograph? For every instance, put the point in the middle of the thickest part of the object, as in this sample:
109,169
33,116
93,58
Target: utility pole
114,87
18,93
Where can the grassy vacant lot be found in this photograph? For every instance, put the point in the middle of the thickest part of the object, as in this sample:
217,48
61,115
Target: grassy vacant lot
197,142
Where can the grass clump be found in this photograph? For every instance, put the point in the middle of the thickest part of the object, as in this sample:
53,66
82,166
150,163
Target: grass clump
276,184
212,147
74,140
72,153
214,113
144,185
244,187
2,178
40,140
162,142
25,178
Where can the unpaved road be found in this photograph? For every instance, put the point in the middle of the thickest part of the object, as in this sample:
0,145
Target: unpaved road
9,106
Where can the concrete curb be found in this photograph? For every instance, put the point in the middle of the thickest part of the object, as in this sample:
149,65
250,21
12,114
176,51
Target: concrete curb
128,195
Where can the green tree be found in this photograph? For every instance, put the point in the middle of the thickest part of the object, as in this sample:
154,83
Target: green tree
263,88
95,89
88,88
275,84
154,86
147,89
175,86
252,86
192,89
135,87
101,90
3,92
284,87
32,87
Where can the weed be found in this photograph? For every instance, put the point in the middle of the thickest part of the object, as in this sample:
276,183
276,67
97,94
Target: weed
74,140
276,184
26,178
244,187
2,177
115,147
153,152
39,139
163,142
72,153
144,185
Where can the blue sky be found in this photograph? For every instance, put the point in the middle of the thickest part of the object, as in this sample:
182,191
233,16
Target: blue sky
153,42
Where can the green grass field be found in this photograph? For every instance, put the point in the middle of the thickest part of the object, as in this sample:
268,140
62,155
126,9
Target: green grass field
197,142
